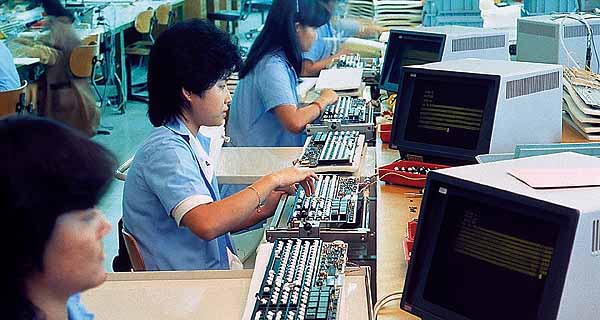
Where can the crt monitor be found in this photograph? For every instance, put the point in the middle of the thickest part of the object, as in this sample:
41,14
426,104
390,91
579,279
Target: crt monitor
445,115
489,247
408,48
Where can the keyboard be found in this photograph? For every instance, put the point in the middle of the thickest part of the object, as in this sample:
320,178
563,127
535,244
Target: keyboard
327,148
348,110
303,281
349,61
335,201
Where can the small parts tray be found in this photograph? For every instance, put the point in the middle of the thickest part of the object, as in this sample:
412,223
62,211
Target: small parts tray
407,173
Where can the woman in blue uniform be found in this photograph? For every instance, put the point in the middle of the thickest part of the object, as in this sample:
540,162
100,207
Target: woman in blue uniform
170,200
324,49
266,110
52,239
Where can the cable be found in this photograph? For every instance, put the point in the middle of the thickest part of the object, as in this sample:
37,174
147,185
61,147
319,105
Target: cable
396,295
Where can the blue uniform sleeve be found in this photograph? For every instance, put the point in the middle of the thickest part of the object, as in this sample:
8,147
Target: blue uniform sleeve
75,310
173,175
347,27
275,84
316,51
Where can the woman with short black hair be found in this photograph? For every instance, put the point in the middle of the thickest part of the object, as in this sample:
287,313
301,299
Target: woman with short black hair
171,201
266,109
51,179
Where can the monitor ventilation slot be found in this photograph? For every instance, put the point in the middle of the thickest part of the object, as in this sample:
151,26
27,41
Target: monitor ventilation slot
596,237
580,31
537,29
530,85
478,43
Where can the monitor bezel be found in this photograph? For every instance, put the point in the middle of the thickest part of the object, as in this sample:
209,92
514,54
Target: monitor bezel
401,114
422,254
392,49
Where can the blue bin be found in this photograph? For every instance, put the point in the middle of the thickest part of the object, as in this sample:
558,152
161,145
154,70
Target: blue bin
541,7
452,12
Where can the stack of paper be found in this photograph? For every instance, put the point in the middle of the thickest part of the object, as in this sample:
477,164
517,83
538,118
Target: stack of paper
581,102
361,9
398,13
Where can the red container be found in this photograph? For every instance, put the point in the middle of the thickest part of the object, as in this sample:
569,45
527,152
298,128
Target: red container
411,229
408,245
385,131
389,174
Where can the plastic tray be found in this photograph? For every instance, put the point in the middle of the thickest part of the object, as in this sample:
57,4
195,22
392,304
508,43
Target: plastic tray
388,174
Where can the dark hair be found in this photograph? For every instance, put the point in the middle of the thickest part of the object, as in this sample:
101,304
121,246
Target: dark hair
280,31
47,169
193,55
55,9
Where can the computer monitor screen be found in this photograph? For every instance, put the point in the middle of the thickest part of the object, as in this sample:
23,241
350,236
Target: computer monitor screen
407,48
482,257
444,114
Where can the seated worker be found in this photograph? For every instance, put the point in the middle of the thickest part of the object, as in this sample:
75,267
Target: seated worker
323,51
62,96
171,201
52,242
266,110
9,78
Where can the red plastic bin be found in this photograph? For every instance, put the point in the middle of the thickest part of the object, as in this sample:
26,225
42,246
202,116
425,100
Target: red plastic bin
388,173
385,132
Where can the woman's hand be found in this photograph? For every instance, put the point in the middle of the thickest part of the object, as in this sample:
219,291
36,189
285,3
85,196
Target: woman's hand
327,97
287,179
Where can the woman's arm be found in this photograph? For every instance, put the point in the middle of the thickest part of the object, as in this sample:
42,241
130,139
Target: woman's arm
295,119
312,69
211,220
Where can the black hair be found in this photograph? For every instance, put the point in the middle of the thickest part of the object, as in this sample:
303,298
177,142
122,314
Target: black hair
193,55
55,9
47,169
279,31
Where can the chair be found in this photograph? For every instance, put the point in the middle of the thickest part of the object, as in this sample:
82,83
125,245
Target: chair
137,261
164,19
14,101
231,16
82,63
144,24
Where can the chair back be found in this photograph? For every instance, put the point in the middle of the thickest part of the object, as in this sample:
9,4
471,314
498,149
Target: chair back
12,101
137,261
82,60
164,14
143,21
245,9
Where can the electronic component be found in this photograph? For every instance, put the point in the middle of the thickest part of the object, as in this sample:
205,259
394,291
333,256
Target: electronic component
335,201
330,148
347,114
303,280
349,61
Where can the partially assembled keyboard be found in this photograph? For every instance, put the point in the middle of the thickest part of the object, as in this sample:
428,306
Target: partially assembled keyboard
348,110
330,148
303,280
349,61
335,201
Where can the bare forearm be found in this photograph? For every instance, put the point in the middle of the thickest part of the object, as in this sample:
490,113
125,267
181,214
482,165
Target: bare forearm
211,220
312,69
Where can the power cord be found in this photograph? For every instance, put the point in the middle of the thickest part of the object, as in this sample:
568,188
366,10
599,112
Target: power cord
396,295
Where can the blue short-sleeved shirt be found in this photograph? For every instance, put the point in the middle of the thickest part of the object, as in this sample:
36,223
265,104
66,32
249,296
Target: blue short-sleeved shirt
75,310
327,36
324,44
252,120
164,172
9,78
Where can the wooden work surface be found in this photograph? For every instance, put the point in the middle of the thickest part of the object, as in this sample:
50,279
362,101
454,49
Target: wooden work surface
194,295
